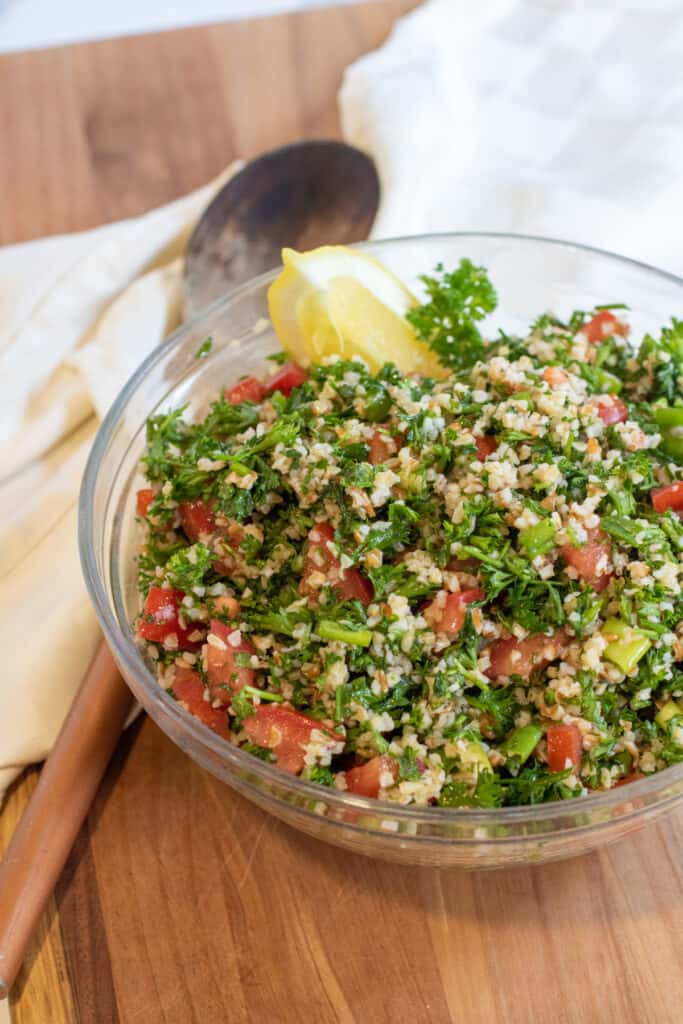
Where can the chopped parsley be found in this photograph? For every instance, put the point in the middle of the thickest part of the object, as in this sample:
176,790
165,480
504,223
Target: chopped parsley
457,301
403,585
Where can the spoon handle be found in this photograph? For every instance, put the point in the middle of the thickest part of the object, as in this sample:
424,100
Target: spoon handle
49,825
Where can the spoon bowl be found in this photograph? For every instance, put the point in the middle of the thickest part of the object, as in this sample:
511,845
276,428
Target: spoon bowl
307,194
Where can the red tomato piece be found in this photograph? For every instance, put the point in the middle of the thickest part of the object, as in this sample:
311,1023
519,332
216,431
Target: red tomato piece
486,446
287,378
603,325
348,584
196,519
633,777
199,523
284,731
223,672
159,619
592,561
228,605
611,409
249,389
667,497
449,616
381,448
189,691
354,586
364,779
555,376
564,745
523,657
144,497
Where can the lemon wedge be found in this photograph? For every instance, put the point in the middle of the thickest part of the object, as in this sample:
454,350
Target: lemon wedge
340,301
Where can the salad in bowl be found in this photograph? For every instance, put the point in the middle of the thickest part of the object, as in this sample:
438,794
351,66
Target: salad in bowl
422,562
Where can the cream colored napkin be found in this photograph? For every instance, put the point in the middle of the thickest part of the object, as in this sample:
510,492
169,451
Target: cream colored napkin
549,117
77,316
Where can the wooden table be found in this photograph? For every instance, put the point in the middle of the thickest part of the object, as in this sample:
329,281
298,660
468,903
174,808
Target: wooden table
182,903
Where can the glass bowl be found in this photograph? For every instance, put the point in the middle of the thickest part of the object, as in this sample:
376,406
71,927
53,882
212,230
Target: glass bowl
531,275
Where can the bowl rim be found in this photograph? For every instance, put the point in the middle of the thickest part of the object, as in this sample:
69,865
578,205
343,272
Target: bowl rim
128,653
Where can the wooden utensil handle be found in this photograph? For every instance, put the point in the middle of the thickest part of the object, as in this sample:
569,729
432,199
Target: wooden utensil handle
49,826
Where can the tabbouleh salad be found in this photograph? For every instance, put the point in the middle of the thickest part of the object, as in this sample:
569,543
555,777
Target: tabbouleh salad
460,590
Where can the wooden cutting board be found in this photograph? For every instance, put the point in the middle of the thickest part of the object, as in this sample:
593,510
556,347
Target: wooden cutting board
181,902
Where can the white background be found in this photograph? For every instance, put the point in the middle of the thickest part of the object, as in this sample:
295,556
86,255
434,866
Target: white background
28,24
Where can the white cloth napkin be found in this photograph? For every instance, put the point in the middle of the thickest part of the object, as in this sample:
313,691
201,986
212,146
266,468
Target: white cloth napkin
77,315
550,117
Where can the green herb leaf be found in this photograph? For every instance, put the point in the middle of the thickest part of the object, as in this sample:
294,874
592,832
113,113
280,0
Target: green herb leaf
186,568
447,321
204,349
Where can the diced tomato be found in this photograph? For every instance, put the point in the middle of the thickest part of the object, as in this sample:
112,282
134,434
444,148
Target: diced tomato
611,409
486,445
189,691
586,559
287,378
523,657
555,376
198,522
196,518
159,619
348,584
667,497
249,389
381,448
228,605
603,325
364,779
564,745
223,672
354,586
145,497
449,616
284,731
633,777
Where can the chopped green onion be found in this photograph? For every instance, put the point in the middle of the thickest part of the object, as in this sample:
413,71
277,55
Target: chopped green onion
378,404
670,421
629,647
669,416
611,384
342,696
538,539
668,711
253,691
672,445
523,396
329,630
239,468
624,760
519,745
474,756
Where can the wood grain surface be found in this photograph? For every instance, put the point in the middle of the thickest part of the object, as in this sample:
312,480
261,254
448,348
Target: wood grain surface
181,902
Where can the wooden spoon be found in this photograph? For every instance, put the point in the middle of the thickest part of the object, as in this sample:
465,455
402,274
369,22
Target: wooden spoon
50,823
302,195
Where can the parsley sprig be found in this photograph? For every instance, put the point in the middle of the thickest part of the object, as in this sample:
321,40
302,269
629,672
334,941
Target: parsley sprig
447,322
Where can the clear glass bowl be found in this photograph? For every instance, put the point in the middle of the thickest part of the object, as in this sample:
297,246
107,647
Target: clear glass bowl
531,275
